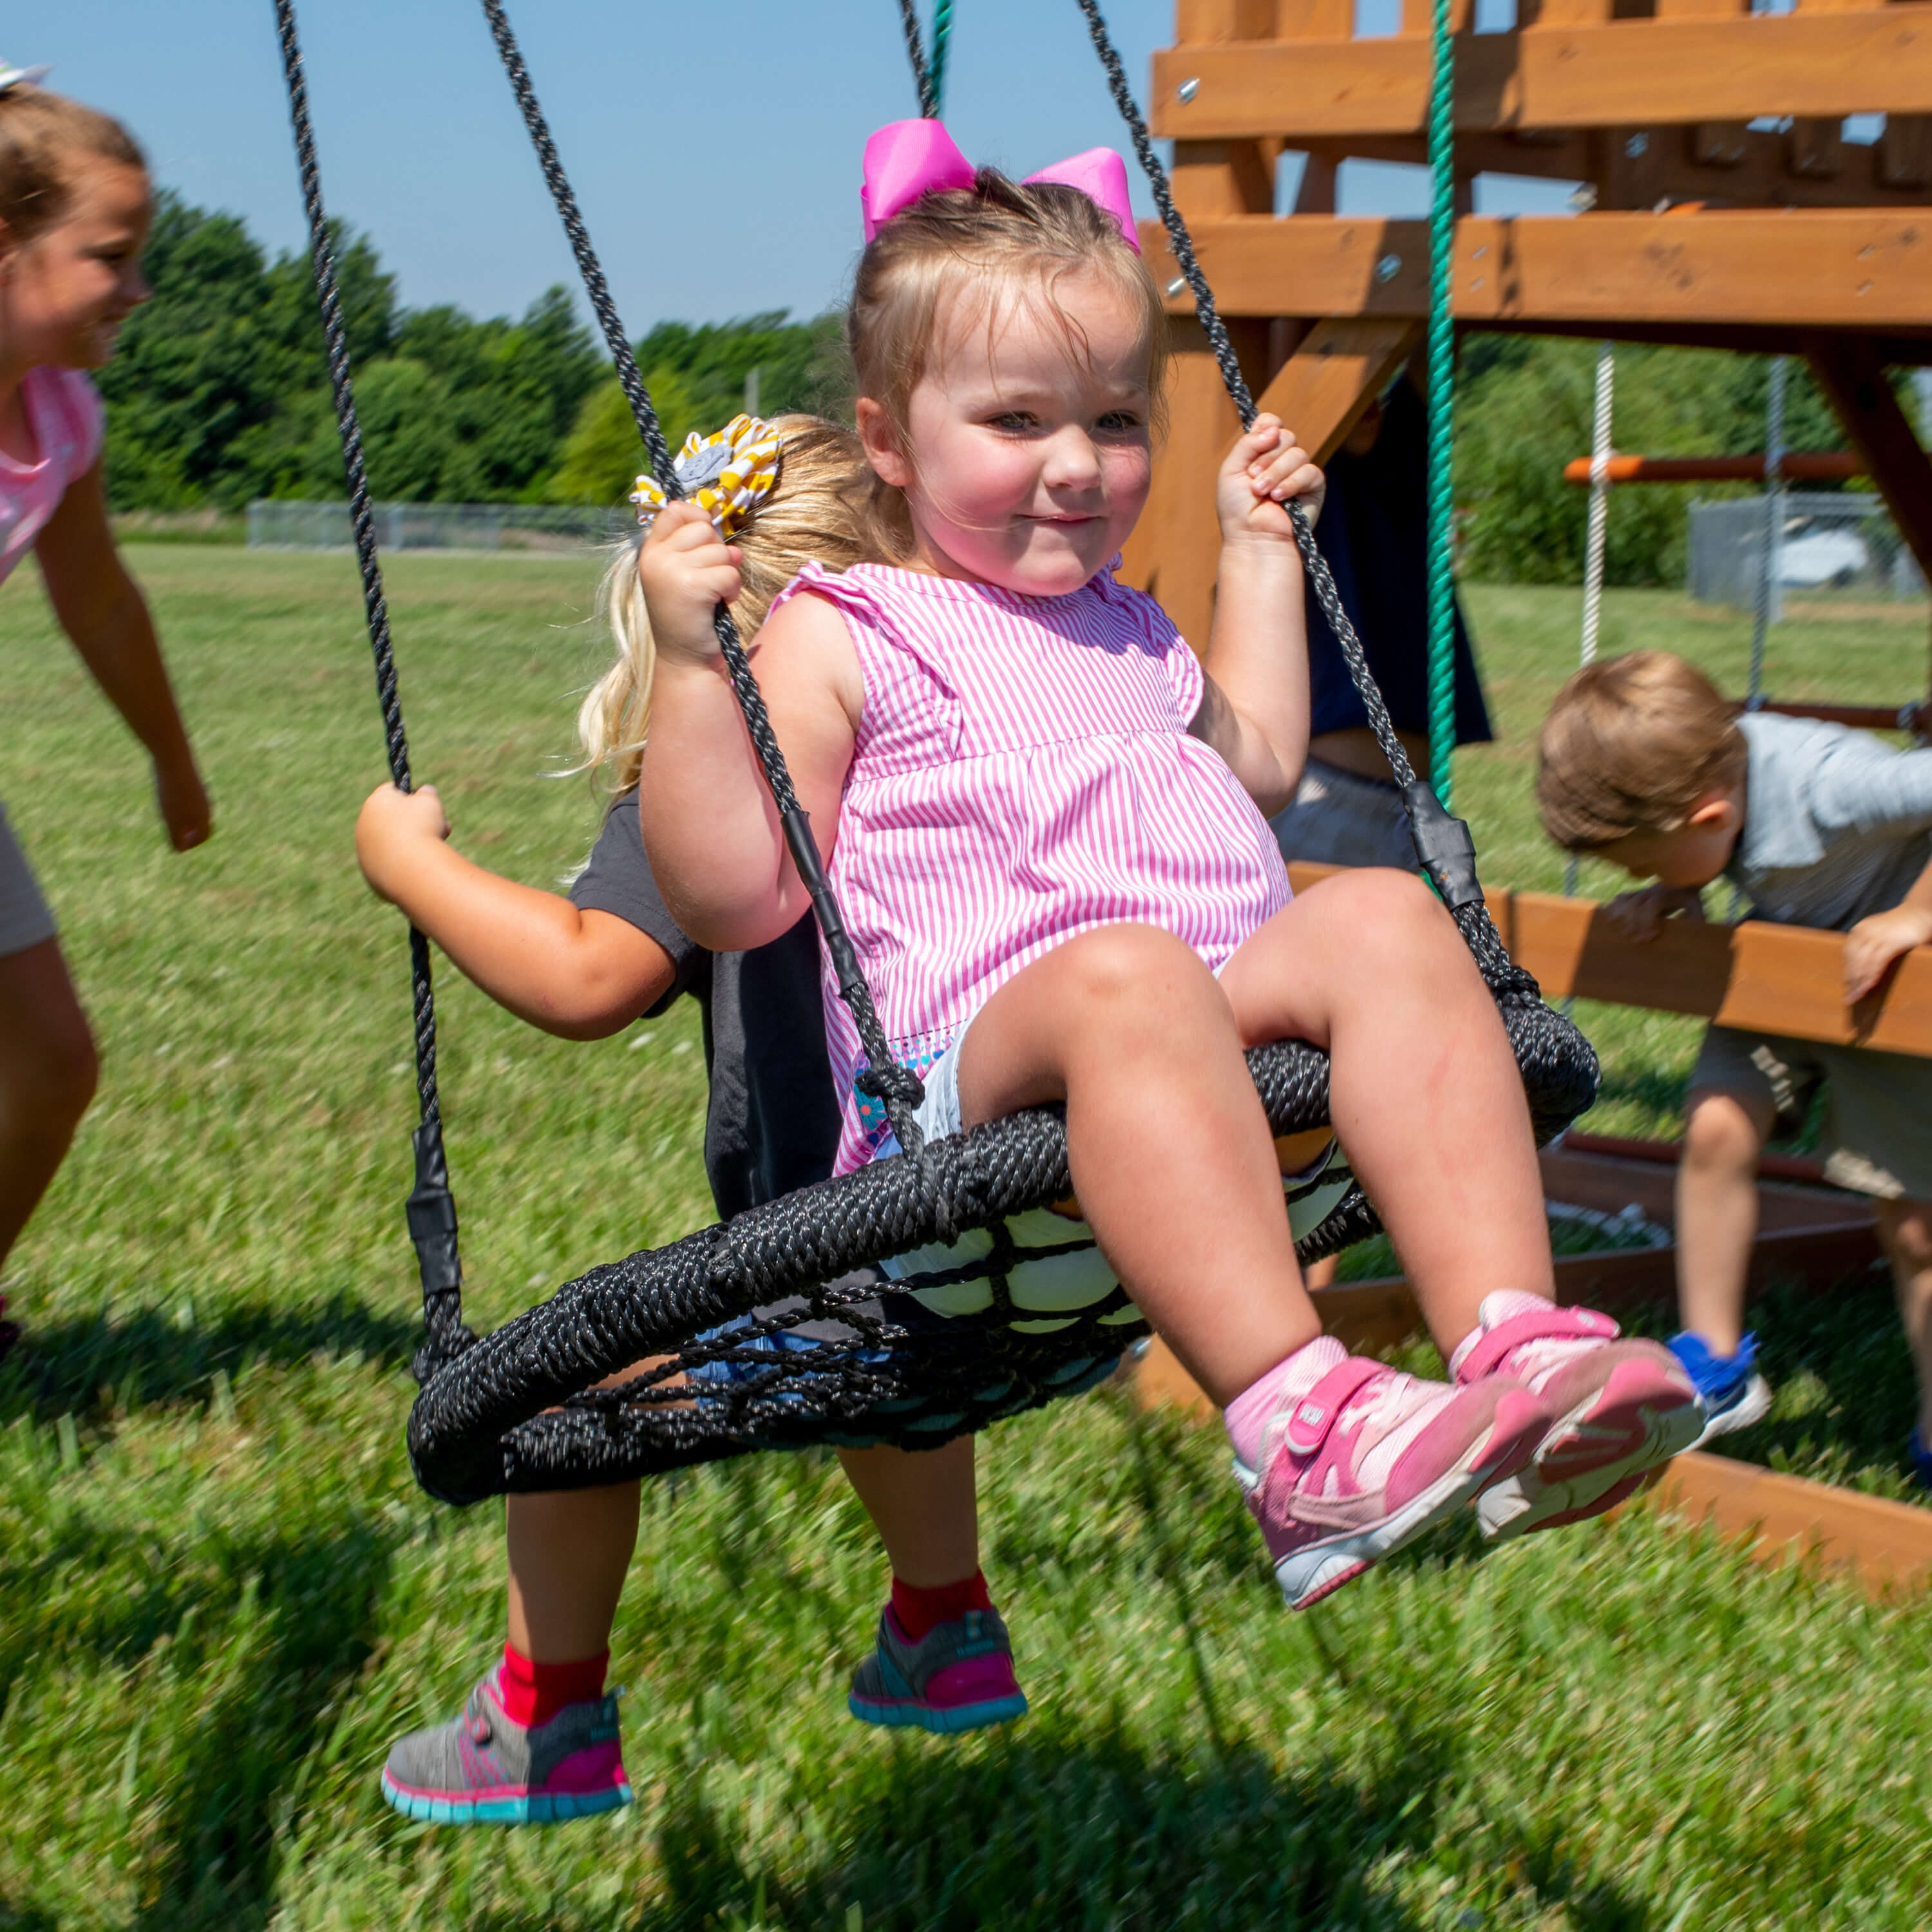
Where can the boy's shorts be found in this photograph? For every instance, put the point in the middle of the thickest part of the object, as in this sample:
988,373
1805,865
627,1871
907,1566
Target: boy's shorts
1877,1135
25,918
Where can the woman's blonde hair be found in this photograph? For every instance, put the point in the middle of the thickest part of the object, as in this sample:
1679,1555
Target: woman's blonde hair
814,515
40,136
998,231
1632,744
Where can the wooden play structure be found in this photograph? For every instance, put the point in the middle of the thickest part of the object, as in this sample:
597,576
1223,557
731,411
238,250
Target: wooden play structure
1700,229
1722,208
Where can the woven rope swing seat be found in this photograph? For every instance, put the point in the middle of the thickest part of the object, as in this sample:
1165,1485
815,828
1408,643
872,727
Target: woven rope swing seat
939,1288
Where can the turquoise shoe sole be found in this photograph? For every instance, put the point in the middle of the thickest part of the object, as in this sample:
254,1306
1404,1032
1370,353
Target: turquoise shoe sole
544,1808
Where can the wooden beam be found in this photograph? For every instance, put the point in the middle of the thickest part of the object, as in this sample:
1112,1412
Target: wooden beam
1884,1547
1805,267
1855,382
1321,391
1636,72
1765,978
1760,977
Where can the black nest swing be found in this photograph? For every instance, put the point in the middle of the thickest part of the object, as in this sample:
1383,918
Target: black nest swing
777,1329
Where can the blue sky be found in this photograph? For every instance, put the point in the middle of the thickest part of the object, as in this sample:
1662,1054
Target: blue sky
715,151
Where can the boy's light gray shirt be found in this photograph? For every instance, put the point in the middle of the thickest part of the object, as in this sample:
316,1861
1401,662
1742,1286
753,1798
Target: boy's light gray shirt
1837,826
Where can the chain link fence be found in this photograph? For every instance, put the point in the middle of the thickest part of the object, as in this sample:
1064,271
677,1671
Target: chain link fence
527,529
1831,544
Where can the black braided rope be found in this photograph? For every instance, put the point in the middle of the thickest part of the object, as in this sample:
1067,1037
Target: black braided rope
923,77
519,1411
898,1087
431,1210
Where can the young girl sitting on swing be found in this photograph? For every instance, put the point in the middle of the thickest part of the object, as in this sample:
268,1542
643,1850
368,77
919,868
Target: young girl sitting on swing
1045,822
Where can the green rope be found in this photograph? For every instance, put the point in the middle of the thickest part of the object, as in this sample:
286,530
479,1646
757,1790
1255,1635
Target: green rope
942,34
1441,411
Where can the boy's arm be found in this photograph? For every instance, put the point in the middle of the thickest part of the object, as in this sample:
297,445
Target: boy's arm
1873,943
579,973
101,609
715,842
1254,709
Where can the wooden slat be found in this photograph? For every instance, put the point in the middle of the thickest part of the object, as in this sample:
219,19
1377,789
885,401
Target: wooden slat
1804,267
1322,390
1885,1547
1638,73
1768,979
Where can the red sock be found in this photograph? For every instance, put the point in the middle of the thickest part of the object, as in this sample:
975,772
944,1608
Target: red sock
533,1693
919,1609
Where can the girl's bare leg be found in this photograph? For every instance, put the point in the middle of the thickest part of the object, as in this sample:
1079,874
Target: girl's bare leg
926,1505
569,1550
48,1071
1424,1091
1172,1157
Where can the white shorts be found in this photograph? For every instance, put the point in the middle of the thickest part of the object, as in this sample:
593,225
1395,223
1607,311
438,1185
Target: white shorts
25,919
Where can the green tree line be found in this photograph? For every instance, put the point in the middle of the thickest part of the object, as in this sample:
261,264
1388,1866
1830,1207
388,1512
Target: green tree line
220,394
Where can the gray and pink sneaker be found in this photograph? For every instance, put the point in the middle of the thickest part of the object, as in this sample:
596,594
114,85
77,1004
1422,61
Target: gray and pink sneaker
1362,1463
1617,1409
484,1768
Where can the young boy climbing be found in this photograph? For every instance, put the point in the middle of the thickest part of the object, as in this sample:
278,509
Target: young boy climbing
1643,763
75,206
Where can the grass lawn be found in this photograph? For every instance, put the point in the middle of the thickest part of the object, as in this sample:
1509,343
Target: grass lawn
221,1595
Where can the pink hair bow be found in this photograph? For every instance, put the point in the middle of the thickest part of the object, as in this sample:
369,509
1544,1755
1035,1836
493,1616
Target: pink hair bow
906,159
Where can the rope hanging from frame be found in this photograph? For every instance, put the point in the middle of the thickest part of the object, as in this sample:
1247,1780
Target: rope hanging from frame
928,76
431,1209
764,1332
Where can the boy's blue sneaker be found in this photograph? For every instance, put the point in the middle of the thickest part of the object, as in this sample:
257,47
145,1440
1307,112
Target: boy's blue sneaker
1921,1460
1734,1395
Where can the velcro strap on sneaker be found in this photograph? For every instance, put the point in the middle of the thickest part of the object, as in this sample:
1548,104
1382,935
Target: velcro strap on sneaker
1314,1414
1544,1324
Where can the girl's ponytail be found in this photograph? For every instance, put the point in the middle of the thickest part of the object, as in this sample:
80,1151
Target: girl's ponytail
815,515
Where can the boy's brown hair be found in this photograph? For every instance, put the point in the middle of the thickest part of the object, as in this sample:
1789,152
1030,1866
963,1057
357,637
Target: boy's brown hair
1630,745
42,134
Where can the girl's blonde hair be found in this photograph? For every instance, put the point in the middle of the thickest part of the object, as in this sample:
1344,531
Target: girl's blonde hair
815,514
41,134
996,232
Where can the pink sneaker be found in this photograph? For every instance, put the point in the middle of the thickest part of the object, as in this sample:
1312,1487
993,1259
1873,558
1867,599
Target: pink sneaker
1369,1458
1616,1410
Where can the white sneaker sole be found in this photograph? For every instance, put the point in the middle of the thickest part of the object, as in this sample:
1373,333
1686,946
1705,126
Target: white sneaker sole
1527,1502
1753,1406
1317,1570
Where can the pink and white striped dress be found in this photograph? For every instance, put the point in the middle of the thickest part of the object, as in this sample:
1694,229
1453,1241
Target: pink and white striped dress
64,410
1023,772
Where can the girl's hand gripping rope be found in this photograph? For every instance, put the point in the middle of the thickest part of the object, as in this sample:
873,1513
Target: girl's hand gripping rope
391,827
1265,471
687,570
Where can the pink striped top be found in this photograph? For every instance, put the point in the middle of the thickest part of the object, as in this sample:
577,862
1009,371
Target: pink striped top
1023,772
63,410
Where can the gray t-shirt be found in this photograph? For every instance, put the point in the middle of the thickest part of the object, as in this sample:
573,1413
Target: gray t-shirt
771,1124
1837,826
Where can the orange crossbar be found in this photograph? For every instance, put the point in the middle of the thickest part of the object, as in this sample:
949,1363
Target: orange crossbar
1797,466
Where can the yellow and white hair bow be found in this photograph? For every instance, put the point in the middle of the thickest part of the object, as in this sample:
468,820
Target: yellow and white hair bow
727,476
